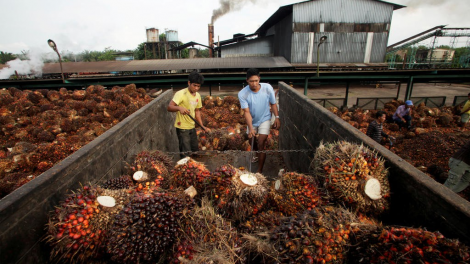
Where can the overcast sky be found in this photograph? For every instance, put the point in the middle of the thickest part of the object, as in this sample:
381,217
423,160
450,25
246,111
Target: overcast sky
95,25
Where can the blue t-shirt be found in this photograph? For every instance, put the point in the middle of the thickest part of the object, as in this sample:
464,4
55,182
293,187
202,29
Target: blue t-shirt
259,103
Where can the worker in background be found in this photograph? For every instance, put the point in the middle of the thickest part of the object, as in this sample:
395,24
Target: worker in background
258,100
402,115
459,169
465,113
188,102
375,128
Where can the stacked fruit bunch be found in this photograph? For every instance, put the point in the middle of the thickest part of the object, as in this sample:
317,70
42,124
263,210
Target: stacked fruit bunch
155,164
189,172
354,175
313,236
375,244
209,238
58,123
262,222
121,182
241,200
219,181
294,193
219,113
147,226
70,233
226,138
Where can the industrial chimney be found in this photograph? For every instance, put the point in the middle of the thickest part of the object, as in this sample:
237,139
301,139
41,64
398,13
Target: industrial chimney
211,41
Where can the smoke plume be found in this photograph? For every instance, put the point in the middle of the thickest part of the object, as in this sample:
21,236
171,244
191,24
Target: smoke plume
227,6
33,65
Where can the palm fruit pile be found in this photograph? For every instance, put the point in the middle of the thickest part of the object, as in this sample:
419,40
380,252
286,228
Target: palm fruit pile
227,138
320,235
57,123
77,228
189,172
156,165
220,180
218,112
207,238
376,244
294,193
147,226
246,196
261,222
121,182
354,175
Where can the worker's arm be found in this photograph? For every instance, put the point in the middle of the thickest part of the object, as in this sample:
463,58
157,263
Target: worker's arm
249,122
277,122
173,107
199,119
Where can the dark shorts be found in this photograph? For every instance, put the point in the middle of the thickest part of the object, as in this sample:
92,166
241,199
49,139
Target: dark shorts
187,139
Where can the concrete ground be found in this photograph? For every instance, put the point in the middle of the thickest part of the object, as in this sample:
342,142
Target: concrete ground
355,91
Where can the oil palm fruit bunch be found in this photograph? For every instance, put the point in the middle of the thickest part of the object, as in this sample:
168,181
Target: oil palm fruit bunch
147,226
121,182
320,235
189,172
247,195
208,237
354,175
294,193
78,226
238,141
377,244
261,222
153,165
220,180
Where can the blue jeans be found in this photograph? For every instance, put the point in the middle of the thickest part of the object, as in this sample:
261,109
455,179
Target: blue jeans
401,123
187,141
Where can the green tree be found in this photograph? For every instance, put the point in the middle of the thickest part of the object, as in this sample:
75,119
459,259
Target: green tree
107,54
6,56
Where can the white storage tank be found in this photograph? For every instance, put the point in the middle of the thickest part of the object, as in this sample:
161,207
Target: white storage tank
171,35
152,35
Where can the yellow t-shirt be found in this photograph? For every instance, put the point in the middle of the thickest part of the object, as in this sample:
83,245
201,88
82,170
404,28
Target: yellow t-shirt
185,99
466,107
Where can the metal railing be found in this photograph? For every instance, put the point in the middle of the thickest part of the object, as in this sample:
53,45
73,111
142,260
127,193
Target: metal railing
430,101
373,102
458,100
329,102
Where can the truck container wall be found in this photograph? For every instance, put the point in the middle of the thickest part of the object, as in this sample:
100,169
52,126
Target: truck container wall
25,212
416,199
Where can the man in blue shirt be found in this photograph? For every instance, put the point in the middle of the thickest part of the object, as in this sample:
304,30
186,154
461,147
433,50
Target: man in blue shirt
258,100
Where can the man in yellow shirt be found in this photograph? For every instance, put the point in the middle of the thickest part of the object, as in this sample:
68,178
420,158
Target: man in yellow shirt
188,102
465,113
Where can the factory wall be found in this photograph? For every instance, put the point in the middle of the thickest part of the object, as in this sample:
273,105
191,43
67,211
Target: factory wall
416,199
25,212
357,31
283,37
259,47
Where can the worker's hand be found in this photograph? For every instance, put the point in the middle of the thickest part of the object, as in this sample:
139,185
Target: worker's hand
206,129
392,138
277,123
184,111
251,133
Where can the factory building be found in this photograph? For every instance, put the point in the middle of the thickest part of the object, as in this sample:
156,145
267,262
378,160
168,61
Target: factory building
356,31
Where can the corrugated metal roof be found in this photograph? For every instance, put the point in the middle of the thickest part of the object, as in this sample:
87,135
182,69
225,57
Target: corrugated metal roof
164,65
283,11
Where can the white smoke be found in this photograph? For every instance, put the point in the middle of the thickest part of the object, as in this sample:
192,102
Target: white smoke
32,66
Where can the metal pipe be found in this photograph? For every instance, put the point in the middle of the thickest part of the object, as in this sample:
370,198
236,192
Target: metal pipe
211,41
